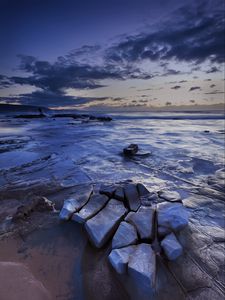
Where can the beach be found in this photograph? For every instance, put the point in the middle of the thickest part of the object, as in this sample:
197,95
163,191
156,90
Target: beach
60,157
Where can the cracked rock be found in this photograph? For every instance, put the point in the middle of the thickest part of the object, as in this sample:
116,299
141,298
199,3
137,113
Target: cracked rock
171,247
119,258
103,225
171,196
132,197
125,235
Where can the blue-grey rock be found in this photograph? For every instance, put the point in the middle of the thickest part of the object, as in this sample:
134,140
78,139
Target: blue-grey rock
132,197
119,194
74,203
142,266
107,190
172,215
93,206
125,235
163,231
142,190
119,258
102,226
143,220
171,247
171,196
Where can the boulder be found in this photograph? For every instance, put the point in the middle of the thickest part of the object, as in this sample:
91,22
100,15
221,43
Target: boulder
125,235
73,204
143,220
171,196
94,205
119,258
103,225
172,215
142,266
171,247
142,190
132,197
107,190
130,150
119,194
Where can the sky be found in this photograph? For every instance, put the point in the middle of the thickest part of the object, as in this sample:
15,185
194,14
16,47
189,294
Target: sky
114,54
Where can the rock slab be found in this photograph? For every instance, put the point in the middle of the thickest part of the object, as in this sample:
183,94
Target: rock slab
171,196
102,226
94,205
171,247
132,197
142,266
143,220
119,258
172,215
125,235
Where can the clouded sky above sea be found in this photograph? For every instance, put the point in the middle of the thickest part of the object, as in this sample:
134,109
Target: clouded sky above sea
120,53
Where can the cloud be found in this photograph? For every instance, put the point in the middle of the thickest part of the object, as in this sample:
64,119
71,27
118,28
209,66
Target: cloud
192,101
193,34
214,93
176,87
213,70
194,88
212,85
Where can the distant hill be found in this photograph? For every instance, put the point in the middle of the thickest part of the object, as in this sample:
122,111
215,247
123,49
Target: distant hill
13,108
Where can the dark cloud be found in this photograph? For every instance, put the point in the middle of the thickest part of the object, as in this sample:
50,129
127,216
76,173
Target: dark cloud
182,81
213,70
214,93
194,88
4,82
176,87
168,103
208,79
192,35
212,85
192,101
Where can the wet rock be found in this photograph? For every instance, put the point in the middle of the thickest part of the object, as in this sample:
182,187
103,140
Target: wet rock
94,205
142,190
171,196
102,226
107,190
31,205
125,235
119,194
142,266
143,220
119,258
172,215
72,205
171,247
132,197
130,150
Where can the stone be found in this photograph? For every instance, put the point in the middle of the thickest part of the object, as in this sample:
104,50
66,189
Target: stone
94,205
119,194
171,196
102,226
172,215
132,197
171,247
142,190
125,235
142,266
107,190
143,220
119,258
130,150
73,204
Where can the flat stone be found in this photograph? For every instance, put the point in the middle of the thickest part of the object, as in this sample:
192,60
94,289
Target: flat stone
73,204
171,247
94,205
119,258
125,235
107,190
142,190
142,266
172,215
119,194
171,196
132,197
102,226
143,220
